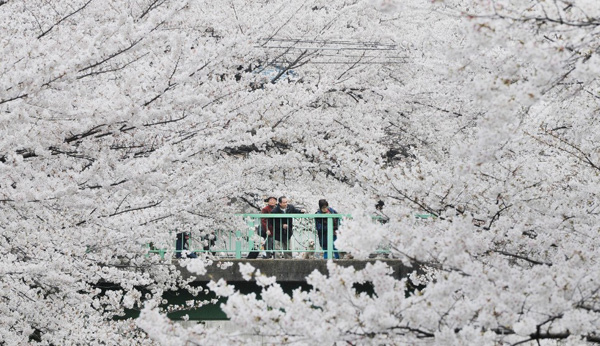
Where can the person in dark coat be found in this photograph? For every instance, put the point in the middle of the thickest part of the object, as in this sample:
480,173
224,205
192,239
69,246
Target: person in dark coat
380,216
182,246
284,227
321,226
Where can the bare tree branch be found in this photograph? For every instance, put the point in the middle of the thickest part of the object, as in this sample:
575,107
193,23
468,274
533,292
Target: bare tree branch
90,132
155,4
522,258
111,56
63,19
415,201
95,73
151,205
168,121
170,84
14,98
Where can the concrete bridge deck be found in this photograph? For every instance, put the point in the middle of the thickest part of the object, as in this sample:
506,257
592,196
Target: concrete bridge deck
288,270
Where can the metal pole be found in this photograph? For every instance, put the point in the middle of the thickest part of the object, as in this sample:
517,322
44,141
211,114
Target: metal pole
329,238
250,235
238,244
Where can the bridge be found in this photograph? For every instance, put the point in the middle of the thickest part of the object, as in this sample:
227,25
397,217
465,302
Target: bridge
234,247
310,231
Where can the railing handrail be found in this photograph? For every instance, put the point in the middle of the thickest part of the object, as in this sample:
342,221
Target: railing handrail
295,216
329,226
312,216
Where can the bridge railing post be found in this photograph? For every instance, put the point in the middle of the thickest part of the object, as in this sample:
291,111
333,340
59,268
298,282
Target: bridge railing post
330,238
238,244
250,234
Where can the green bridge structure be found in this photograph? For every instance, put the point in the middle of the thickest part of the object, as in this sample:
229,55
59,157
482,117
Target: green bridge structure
238,244
235,247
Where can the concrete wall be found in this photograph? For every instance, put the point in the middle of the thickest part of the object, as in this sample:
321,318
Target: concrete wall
286,270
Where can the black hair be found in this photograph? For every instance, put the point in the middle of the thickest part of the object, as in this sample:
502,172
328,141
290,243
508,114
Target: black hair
323,203
281,198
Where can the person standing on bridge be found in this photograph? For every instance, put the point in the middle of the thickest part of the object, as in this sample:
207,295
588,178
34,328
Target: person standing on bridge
322,229
182,246
283,227
266,230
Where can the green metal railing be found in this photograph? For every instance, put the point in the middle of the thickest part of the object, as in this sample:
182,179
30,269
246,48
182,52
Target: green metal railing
240,243
304,230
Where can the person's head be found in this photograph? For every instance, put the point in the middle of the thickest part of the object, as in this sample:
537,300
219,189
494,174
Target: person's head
323,205
379,205
271,201
283,202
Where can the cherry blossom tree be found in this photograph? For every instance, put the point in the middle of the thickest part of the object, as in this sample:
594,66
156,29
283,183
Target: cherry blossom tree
126,121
